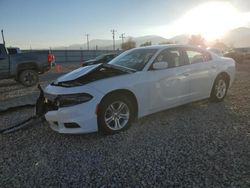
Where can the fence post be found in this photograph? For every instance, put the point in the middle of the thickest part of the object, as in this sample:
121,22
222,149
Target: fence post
66,55
81,54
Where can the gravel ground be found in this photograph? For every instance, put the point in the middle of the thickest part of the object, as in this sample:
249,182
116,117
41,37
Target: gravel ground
197,145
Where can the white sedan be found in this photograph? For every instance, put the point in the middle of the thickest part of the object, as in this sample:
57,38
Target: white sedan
139,82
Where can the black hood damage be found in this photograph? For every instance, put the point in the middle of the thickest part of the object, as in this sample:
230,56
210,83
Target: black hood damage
102,72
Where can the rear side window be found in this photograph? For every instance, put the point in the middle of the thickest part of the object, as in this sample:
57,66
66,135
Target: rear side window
12,51
195,56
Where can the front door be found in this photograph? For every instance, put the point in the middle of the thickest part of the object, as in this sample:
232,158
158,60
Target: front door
168,87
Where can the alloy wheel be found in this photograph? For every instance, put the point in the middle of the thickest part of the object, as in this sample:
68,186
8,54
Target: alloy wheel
221,88
117,115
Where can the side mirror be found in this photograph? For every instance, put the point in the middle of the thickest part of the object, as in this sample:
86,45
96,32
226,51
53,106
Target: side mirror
160,65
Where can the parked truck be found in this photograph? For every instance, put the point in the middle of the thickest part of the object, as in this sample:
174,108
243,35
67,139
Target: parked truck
24,67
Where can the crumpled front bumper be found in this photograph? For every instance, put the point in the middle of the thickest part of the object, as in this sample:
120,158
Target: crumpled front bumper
82,115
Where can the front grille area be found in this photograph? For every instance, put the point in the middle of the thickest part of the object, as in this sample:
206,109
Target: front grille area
51,102
56,123
71,125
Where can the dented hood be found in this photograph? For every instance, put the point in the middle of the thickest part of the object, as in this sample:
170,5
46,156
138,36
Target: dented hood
91,73
77,73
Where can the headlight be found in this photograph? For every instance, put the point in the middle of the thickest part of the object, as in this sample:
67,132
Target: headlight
72,99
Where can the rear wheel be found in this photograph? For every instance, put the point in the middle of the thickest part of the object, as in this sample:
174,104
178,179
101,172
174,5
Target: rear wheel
219,90
28,78
115,114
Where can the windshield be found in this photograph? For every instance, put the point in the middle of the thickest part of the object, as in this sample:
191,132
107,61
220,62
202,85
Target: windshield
100,57
134,59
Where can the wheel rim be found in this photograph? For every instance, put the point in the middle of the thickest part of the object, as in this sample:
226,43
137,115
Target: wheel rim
221,88
29,78
117,115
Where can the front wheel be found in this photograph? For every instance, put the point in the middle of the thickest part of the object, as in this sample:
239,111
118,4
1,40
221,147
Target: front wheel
115,114
219,90
29,78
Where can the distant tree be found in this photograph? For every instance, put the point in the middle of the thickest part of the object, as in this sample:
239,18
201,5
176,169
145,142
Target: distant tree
148,43
168,42
220,45
197,40
129,44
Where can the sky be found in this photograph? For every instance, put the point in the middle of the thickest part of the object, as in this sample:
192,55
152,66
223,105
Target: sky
53,23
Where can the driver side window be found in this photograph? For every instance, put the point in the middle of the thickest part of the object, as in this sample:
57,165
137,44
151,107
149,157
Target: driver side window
171,56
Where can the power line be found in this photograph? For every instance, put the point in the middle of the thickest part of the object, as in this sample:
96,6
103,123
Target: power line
113,35
87,35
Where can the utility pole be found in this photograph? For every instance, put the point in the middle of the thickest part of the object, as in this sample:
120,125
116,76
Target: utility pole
113,35
122,36
3,37
87,35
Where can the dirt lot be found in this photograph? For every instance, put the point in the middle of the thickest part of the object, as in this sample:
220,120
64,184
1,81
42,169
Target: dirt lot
197,145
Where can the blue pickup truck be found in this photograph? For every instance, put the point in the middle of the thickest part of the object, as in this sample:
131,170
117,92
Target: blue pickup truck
24,67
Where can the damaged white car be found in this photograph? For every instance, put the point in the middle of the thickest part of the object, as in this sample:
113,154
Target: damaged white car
141,81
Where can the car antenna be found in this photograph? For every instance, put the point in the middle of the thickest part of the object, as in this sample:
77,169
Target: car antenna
3,37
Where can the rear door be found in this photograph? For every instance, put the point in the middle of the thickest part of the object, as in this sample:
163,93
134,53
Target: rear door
200,73
4,63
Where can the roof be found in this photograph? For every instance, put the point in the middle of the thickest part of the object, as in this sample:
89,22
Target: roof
168,46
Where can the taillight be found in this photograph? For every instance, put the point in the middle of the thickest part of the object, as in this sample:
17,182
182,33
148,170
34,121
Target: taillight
51,57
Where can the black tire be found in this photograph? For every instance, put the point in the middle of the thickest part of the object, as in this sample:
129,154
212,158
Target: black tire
105,112
219,90
28,78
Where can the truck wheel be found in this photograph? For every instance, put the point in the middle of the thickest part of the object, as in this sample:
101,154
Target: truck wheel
28,78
